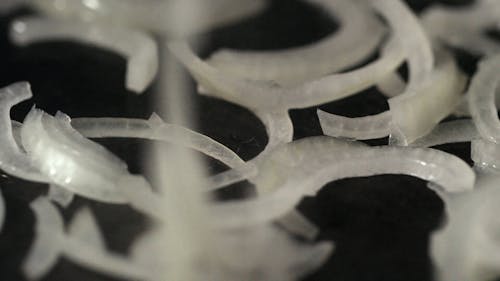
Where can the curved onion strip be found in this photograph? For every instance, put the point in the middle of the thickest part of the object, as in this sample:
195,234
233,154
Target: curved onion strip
416,114
360,33
486,155
410,118
466,248
60,195
151,14
71,161
448,132
360,128
279,128
156,130
13,160
393,85
464,27
2,211
137,47
85,246
48,243
413,38
302,167
268,96
481,95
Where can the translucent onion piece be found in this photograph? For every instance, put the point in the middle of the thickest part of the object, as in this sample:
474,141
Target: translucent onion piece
48,241
60,195
392,85
304,166
156,129
360,128
2,211
268,96
481,95
419,109
13,160
70,160
448,132
279,128
84,228
137,47
486,155
464,27
155,15
360,33
467,247
296,223
241,254
413,38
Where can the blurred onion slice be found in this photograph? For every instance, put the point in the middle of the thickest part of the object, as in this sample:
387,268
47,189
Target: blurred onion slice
138,48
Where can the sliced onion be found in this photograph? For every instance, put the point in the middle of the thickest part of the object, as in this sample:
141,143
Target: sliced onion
156,129
48,242
360,33
481,95
420,108
486,155
303,167
393,85
464,27
296,223
60,195
448,132
466,248
137,47
360,128
71,161
13,160
268,96
151,14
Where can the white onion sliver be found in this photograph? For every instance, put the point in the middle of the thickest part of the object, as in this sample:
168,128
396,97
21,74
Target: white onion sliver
464,27
486,155
392,85
156,130
48,240
360,33
303,167
448,132
467,248
151,14
481,95
13,160
360,128
296,223
137,47
415,114
413,38
269,96
70,160
60,195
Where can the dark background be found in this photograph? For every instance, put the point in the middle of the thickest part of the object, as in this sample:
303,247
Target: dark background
380,225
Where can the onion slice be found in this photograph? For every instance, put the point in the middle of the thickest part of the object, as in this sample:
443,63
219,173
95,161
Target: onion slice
47,244
156,129
60,195
466,248
269,96
159,16
481,96
464,27
360,33
137,47
304,166
70,160
13,160
448,132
